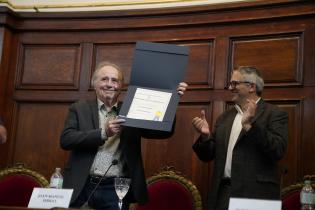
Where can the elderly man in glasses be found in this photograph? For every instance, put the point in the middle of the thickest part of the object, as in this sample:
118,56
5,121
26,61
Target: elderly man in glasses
246,143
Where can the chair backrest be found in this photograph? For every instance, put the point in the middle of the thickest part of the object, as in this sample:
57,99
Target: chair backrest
291,195
169,190
17,183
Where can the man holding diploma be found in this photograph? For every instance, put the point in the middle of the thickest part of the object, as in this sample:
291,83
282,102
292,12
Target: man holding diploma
96,136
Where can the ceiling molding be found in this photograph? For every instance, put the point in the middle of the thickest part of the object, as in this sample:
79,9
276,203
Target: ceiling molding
101,5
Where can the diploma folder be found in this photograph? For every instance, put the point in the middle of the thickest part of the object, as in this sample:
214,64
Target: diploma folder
158,67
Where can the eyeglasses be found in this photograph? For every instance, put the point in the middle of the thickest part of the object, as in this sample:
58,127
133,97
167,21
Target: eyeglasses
234,83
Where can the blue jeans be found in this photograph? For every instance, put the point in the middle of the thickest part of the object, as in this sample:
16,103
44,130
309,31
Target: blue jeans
103,198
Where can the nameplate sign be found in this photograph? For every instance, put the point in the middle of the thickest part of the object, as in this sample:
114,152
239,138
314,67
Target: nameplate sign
254,204
47,198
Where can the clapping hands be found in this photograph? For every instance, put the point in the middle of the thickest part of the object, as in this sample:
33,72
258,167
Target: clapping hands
249,113
201,125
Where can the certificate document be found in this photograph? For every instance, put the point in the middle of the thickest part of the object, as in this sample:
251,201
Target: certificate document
152,98
149,104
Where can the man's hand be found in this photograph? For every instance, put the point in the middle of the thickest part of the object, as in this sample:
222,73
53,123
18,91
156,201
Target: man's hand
113,126
201,125
181,88
249,113
3,134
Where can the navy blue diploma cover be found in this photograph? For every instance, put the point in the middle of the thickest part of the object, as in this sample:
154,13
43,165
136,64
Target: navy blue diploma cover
158,67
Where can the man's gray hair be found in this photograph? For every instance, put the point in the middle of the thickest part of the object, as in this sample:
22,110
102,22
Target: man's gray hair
103,64
253,75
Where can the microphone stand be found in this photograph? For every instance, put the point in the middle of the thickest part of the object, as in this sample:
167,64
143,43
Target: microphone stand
284,172
86,204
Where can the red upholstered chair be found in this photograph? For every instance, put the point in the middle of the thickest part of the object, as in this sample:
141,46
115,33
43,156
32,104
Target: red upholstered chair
169,190
291,194
291,197
17,183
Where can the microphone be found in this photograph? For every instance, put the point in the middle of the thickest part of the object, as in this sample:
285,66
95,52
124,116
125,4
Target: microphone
284,172
114,162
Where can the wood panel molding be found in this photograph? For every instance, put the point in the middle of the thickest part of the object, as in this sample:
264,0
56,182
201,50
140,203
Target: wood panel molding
49,67
278,56
291,163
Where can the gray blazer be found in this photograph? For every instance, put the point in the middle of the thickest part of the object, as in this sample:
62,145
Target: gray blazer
82,136
254,170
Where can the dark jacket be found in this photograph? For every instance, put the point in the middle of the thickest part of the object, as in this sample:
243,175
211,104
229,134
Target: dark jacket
254,170
82,136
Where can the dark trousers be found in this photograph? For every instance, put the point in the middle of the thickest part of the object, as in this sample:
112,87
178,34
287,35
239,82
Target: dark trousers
103,198
224,195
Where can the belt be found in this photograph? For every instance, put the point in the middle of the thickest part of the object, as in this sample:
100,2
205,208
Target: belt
226,181
94,179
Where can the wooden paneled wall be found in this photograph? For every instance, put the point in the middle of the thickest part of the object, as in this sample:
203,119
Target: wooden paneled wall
47,61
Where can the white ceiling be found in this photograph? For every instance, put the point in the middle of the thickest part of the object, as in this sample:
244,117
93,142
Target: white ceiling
101,5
